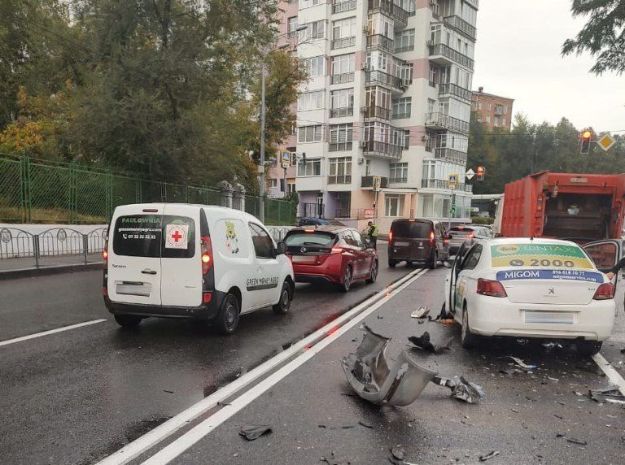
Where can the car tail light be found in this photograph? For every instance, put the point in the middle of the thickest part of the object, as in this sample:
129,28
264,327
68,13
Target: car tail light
207,297
207,254
490,288
105,252
336,250
604,292
432,237
390,237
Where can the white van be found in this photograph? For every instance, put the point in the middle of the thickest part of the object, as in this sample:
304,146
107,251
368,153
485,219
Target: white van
192,261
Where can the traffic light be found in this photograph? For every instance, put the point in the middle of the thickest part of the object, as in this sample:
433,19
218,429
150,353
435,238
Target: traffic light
481,171
584,147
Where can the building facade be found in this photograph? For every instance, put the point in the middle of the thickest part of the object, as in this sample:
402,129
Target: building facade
493,111
387,103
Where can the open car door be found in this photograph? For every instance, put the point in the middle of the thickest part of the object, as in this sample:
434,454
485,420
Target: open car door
452,277
605,254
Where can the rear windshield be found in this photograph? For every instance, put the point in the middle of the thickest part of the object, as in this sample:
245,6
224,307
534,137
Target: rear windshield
560,256
148,235
460,231
316,238
411,229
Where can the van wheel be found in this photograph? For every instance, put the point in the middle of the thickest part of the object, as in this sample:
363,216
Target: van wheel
227,320
128,321
374,272
284,304
588,347
392,263
347,279
467,338
434,261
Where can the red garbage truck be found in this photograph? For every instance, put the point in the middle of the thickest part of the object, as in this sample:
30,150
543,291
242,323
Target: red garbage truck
579,207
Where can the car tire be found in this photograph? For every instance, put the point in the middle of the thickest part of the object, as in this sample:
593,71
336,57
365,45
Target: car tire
588,347
392,263
347,279
284,304
128,321
434,261
467,338
373,275
227,319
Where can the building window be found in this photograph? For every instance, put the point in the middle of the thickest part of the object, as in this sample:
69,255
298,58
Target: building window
273,183
378,98
341,136
309,168
340,171
291,27
394,205
342,103
309,3
402,108
314,30
314,66
309,134
404,41
399,172
344,33
310,101
405,73
343,64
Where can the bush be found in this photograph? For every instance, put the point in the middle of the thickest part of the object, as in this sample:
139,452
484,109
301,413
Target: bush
482,220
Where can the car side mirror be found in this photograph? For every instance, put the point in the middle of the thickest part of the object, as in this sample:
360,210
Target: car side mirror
281,248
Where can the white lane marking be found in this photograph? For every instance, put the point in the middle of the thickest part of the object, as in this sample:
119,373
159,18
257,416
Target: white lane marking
47,333
158,434
613,375
184,442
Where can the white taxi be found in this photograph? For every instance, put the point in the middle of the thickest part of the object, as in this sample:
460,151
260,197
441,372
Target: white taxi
537,288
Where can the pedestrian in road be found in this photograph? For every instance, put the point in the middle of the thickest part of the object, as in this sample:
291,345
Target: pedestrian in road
372,233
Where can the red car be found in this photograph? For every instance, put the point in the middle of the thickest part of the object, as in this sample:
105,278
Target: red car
335,254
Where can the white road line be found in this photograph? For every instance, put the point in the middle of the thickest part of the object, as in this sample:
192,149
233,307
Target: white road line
177,447
613,375
158,434
52,331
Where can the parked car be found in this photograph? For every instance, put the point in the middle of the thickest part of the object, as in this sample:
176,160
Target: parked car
417,241
335,254
536,288
192,261
468,234
311,221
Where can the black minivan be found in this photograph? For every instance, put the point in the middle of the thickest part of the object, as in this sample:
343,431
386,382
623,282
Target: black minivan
417,241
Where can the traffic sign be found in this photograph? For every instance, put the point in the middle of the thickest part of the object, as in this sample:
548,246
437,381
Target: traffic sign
606,142
286,159
452,182
469,174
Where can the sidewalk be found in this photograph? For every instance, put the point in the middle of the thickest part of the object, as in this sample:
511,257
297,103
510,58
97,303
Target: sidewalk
23,267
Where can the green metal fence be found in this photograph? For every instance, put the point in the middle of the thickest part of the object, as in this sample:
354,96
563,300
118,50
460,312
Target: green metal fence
35,191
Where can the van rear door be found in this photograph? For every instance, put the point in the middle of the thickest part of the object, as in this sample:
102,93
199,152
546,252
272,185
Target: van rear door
134,270
181,277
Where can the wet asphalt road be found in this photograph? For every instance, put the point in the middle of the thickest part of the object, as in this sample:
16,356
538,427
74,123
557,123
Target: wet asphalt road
77,396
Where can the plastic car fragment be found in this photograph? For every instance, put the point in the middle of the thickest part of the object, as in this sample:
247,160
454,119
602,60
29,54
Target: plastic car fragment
253,432
610,394
462,389
423,342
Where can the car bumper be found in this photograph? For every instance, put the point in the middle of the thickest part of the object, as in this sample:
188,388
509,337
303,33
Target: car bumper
203,312
331,270
492,316
316,278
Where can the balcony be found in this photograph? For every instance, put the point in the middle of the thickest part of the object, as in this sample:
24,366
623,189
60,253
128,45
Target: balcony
341,112
343,42
377,149
340,146
443,121
343,6
446,90
399,180
395,12
444,184
377,112
450,155
460,25
402,115
380,42
340,179
444,55
367,181
377,77
342,78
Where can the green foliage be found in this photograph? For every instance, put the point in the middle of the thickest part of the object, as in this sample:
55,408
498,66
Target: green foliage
603,35
530,148
482,220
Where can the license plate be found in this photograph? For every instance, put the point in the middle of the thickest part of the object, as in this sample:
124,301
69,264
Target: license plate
140,289
558,318
304,259
401,244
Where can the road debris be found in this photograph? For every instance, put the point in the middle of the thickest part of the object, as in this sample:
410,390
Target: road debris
462,389
365,424
253,432
572,440
398,452
521,364
423,342
490,455
421,312
333,460
610,394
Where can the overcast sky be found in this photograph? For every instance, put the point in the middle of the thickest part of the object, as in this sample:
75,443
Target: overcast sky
518,56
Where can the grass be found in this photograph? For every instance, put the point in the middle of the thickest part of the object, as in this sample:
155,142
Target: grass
48,216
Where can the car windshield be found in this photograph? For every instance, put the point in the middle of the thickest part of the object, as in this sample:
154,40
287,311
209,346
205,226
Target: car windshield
411,229
314,238
539,255
461,231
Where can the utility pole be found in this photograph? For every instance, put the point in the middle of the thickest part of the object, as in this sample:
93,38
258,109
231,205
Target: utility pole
261,168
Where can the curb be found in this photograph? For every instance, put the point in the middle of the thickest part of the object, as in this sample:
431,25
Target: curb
34,272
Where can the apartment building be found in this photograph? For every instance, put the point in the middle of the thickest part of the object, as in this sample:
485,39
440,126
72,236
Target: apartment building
387,97
493,111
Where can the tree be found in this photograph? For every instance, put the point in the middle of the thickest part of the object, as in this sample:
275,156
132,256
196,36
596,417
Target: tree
603,35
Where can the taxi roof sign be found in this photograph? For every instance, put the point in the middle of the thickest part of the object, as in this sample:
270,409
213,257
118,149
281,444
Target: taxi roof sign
606,142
